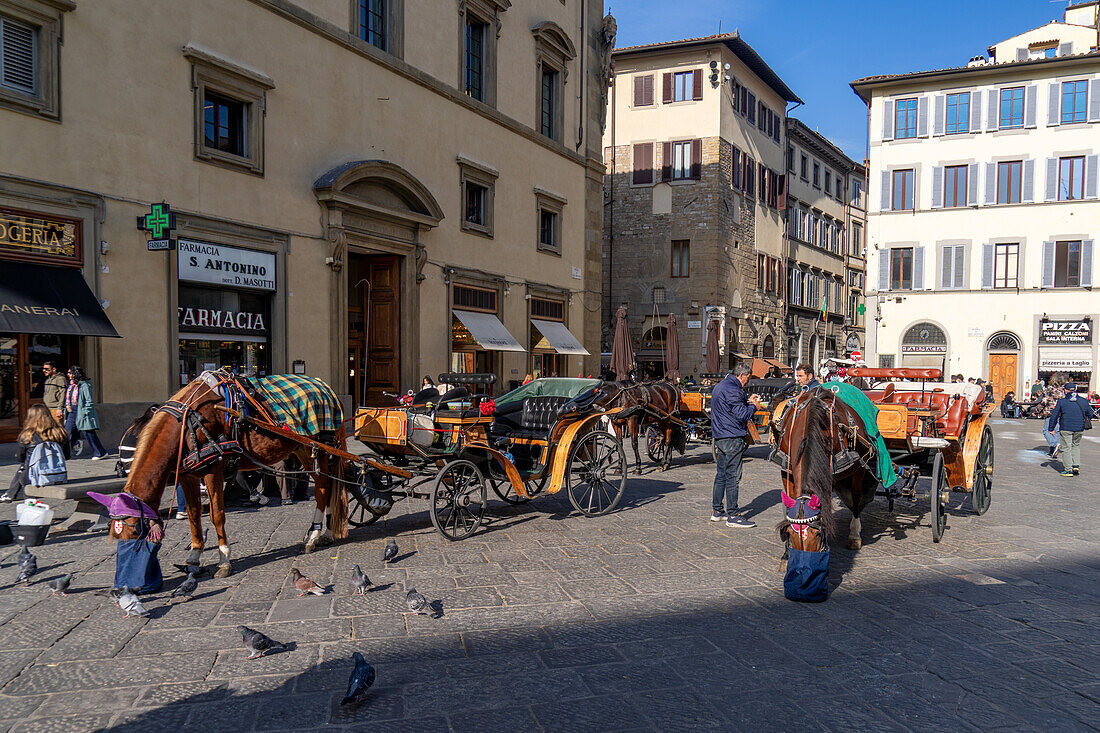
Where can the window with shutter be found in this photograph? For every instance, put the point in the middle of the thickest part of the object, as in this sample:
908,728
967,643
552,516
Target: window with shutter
30,55
643,163
643,91
697,84
1004,260
666,88
19,46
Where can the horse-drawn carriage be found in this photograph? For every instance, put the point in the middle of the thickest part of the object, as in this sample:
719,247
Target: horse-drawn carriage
542,436
693,417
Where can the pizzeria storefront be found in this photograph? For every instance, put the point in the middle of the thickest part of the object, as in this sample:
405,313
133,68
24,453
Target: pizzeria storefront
1066,346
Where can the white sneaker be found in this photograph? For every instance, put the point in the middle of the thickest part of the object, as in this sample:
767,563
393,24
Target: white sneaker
717,517
1057,450
181,515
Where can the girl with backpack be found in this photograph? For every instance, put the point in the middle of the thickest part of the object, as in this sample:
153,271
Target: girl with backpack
43,448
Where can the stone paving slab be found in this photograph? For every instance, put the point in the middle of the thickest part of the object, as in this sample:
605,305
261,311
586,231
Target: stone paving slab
650,618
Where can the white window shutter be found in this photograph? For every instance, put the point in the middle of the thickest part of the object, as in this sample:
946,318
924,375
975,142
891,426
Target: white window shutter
1054,105
887,120
1031,94
975,111
1090,176
1065,49
960,267
990,184
972,184
918,268
1052,179
922,116
946,263
939,114
1086,263
1027,193
884,269
884,202
1094,100
937,186
991,120
1048,264
1021,54
987,266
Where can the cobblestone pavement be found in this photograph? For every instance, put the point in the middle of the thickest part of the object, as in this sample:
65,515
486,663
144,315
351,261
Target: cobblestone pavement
651,618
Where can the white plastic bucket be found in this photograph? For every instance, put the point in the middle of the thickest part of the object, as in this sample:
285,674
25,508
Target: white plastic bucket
33,514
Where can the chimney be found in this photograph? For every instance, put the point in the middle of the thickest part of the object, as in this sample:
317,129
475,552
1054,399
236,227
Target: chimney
978,60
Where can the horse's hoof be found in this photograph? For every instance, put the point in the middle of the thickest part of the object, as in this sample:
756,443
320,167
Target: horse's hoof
224,571
854,544
309,548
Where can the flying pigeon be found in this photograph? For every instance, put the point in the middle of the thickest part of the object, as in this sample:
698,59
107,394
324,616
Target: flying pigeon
28,566
186,588
129,602
60,585
390,552
362,677
418,604
257,643
362,582
305,585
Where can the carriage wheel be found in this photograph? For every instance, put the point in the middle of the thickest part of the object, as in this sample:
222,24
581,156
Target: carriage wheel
458,500
359,512
503,489
938,497
655,444
983,474
596,473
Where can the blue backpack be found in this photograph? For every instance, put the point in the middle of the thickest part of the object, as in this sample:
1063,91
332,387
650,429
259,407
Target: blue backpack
46,465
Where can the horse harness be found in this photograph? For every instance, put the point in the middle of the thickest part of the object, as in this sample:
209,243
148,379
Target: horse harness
847,432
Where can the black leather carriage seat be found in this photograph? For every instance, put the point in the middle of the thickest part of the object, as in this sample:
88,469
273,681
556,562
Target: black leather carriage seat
532,418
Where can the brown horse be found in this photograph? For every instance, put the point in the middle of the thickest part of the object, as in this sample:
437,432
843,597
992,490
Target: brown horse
663,398
828,452
165,437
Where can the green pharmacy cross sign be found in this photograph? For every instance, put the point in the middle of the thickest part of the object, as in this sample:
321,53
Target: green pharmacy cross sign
861,309
159,222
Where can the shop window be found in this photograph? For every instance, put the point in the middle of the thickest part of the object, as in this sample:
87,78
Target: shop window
30,38
230,103
550,207
477,183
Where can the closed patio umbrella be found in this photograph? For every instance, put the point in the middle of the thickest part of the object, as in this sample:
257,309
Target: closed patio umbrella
672,349
713,357
622,353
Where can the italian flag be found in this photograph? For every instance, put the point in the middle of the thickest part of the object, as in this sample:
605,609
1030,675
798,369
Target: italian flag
824,308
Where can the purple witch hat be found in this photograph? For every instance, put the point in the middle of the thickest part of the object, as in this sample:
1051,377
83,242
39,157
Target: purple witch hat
125,505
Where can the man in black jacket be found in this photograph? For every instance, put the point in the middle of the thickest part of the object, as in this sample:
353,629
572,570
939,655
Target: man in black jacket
730,412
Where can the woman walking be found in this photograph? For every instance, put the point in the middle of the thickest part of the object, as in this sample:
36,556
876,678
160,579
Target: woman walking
81,416
40,427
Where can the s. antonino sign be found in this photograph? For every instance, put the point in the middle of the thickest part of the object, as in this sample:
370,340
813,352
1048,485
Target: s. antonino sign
218,264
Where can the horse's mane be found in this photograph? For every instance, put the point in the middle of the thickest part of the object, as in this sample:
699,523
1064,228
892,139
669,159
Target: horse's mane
813,453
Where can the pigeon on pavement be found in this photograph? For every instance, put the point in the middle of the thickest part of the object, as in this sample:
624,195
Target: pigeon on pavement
60,585
28,566
186,588
362,582
257,643
390,552
362,677
129,602
418,604
305,585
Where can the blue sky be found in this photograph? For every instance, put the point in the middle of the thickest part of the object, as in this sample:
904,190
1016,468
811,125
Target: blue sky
818,47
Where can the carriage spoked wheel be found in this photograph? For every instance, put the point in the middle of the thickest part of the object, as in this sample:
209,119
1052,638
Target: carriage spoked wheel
458,500
982,485
360,513
503,489
938,497
596,473
655,444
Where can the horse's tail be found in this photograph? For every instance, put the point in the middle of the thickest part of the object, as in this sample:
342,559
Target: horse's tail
813,453
338,498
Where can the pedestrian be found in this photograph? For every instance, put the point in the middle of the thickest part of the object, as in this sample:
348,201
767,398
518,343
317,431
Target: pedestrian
53,391
804,375
81,416
730,411
1047,403
40,427
427,383
1009,406
1070,417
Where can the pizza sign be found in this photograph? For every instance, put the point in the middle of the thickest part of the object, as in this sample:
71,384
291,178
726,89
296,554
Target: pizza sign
1065,332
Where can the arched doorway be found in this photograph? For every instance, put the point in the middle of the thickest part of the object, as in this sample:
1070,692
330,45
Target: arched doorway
924,345
1003,359
769,347
651,353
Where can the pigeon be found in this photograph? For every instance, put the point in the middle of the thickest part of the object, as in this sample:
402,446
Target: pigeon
362,677
305,585
129,602
60,585
418,604
390,552
257,643
362,582
28,566
186,588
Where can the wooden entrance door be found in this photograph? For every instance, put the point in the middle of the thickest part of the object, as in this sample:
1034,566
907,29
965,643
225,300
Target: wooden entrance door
383,354
1002,374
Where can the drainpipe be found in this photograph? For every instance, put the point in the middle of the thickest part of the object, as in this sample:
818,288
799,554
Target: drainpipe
786,236
583,86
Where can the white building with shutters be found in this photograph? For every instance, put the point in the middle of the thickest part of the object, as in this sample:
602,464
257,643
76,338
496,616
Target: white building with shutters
983,210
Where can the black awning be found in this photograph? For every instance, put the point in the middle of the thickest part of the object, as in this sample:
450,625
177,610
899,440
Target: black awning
40,299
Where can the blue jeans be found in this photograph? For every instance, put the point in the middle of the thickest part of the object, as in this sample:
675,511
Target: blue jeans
91,437
181,502
729,453
1051,435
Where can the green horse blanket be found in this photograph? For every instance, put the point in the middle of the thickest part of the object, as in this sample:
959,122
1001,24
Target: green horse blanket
303,404
868,412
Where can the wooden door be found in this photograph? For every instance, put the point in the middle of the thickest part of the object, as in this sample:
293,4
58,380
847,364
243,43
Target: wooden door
1002,374
383,367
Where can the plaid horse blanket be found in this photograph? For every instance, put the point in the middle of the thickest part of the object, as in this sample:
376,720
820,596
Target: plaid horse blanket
303,404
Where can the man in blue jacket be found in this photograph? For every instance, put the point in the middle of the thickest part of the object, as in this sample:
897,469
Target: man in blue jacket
1070,413
730,411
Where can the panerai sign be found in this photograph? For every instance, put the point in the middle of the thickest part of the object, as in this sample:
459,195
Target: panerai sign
1065,332
217,264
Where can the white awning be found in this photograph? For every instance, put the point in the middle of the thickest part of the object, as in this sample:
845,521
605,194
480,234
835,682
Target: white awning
488,331
1074,358
559,337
